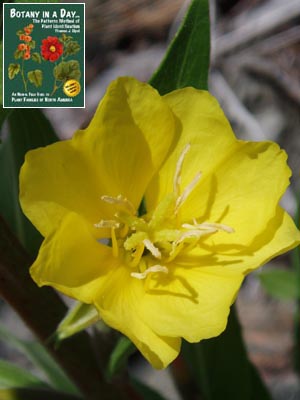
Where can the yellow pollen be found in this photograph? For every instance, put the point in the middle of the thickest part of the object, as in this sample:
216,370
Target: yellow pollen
52,49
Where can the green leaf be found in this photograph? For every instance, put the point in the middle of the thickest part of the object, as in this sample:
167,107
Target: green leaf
67,70
13,70
145,391
71,48
221,368
34,394
18,54
187,60
35,77
39,356
31,44
119,356
13,376
279,283
36,57
29,128
80,317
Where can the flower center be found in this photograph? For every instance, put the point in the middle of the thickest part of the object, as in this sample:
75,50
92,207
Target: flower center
147,244
52,49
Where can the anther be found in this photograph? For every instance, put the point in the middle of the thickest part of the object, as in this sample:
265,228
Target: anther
119,200
107,223
154,268
153,250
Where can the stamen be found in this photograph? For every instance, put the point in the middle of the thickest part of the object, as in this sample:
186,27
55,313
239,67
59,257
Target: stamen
154,268
153,250
177,176
136,256
208,226
119,200
187,191
115,247
107,223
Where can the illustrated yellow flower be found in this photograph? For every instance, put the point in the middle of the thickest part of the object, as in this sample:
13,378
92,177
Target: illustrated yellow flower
155,213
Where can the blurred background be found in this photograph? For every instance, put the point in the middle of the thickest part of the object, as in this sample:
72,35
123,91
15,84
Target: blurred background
255,74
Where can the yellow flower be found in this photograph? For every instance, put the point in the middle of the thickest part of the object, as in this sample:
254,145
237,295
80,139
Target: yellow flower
212,214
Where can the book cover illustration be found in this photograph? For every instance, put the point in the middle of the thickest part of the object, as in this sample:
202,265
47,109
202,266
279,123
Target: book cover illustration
43,55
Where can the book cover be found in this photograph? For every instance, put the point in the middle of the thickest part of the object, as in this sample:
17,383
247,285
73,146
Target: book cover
43,55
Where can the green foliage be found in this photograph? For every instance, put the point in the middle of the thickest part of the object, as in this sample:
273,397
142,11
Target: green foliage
13,70
119,356
279,283
187,60
31,44
67,70
78,318
29,129
18,54
36,57
13,376
221,369
38,355
35,77
71,48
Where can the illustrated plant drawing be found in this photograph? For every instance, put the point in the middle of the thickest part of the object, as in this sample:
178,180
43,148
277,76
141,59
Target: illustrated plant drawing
24,53
52,49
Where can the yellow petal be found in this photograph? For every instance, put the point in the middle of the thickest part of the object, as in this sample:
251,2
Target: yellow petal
280,236
118,306
242,192
128,137
201,122
57,179
73,261
241,182
118,153
192,301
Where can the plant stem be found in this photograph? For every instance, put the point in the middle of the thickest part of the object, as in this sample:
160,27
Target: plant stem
42,310
23,76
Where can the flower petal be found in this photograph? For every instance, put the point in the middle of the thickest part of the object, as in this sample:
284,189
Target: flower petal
117,154
72,261
241,182
57,179
128,137
200,122
118,305
280,236
242,192
193,300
